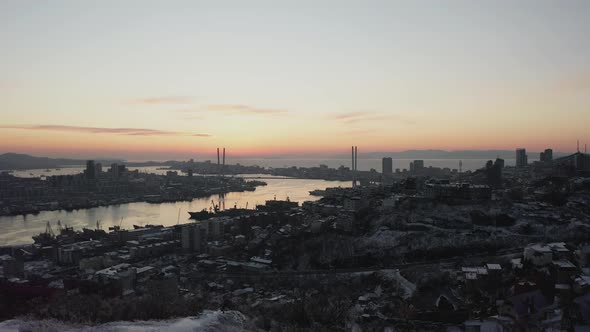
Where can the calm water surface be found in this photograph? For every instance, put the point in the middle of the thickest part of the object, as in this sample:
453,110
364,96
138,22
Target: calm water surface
20,229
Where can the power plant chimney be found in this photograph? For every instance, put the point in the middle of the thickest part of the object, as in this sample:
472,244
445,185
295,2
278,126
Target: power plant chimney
356,158
352,166
354,152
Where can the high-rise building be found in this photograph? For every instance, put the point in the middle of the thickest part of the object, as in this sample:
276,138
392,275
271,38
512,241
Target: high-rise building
192,237
418,165
213,228
97,169
546,156
493,172
521,158
90,170
114,170
387,165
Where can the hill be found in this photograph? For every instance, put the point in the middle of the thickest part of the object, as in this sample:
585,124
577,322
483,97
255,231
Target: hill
11,161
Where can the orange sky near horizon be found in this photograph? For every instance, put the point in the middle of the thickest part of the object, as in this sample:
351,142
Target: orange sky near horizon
142,147
176,79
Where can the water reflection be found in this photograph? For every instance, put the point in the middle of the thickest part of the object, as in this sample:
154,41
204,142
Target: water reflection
19,229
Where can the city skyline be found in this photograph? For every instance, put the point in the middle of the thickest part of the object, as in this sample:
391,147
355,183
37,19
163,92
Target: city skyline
173,81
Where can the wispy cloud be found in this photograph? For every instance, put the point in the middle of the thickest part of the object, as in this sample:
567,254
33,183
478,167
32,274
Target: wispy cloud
100,130
235,109
359,132
368,116
352,116
171,100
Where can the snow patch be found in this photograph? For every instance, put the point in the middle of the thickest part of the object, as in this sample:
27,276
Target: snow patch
209,321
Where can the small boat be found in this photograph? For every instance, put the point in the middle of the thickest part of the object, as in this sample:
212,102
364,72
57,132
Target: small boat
147,226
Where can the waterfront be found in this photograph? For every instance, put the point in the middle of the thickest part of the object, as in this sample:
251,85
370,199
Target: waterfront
364,165
73,170
19,229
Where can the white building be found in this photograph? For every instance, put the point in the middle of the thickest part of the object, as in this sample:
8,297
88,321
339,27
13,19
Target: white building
543,254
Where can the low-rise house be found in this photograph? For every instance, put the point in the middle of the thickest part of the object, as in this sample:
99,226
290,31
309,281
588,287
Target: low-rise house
582,284
11,266
458,191
564,270
543,254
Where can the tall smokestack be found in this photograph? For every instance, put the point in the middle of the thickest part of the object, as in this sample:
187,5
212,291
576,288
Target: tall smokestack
223,156
356,158
352,166
217,156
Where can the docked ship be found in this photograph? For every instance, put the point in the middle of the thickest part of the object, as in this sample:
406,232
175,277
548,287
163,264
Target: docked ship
201,215
277,205
317,192
204,214
216,211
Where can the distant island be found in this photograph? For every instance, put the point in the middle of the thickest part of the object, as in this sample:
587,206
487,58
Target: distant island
18,161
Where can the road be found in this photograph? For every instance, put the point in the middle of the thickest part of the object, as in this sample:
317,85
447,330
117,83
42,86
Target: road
455,259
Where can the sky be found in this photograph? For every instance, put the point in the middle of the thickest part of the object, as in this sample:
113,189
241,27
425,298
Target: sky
176,79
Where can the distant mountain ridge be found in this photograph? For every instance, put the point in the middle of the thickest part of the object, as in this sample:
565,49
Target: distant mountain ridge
9,161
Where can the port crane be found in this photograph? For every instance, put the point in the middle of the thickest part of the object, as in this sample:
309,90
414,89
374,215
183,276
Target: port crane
116,227
215,207
48,230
